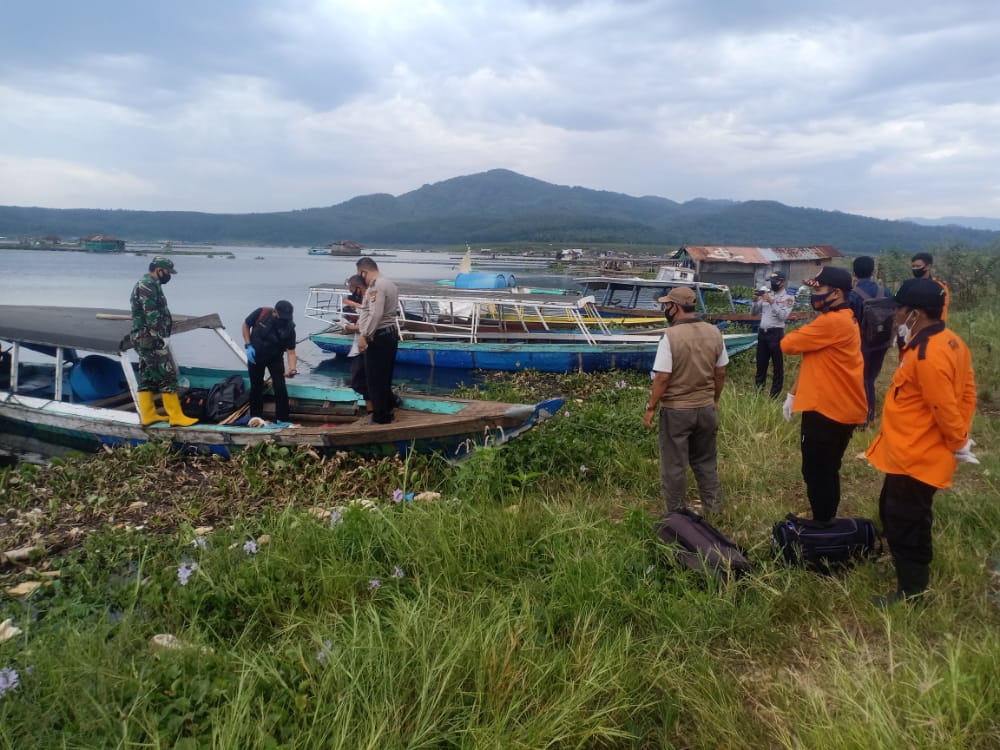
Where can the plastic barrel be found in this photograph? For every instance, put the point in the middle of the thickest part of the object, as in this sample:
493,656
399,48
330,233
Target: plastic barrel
95,377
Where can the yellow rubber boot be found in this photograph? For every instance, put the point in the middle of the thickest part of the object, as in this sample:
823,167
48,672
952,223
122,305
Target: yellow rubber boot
147,409
177,416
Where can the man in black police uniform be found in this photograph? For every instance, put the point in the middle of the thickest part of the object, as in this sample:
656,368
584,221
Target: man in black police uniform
378,338
267,334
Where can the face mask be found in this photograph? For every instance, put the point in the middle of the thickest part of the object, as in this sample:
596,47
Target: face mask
818,301
903,329
164,278
667,315
775,286
919,272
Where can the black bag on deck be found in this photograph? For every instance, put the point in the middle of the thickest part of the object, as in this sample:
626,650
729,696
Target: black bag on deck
193,402
700,546
224,398
824,546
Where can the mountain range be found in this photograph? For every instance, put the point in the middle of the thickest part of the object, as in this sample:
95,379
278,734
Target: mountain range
503,206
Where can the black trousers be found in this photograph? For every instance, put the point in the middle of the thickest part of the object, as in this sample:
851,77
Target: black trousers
823,444
380,359
276,366
769,351
359,378
905,509
873,366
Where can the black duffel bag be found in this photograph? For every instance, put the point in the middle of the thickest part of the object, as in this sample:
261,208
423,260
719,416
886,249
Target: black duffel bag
700,546
824,546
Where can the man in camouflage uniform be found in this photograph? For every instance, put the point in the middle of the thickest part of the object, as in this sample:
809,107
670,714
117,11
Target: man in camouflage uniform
151,323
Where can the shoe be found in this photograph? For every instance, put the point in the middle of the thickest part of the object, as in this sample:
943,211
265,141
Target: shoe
397,402
147,409
912,579
177,416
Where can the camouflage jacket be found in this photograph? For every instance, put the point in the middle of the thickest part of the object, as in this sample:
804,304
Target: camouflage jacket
150,314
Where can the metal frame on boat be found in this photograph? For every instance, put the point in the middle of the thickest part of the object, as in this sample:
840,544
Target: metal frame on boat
497,330
50,408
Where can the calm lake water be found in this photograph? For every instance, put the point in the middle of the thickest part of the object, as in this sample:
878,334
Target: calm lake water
231,287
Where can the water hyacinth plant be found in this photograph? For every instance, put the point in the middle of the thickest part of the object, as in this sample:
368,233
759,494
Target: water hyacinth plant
530,606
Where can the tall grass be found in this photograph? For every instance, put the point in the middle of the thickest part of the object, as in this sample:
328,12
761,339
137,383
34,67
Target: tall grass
529,606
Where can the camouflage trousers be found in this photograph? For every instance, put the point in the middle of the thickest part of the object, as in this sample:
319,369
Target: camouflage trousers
157,371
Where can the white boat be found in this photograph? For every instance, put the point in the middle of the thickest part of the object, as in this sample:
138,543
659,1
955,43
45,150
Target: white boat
68,402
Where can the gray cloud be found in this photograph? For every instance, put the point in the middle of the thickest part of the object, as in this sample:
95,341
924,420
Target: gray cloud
883,109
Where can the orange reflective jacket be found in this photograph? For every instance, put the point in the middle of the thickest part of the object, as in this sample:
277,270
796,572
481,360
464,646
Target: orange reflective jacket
928,409
831,379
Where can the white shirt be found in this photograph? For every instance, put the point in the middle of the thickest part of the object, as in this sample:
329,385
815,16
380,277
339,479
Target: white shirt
664,361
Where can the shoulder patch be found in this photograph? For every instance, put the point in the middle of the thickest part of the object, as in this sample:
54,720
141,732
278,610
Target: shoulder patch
372,295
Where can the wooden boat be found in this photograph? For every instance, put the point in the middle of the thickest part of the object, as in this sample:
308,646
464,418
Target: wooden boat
499,330
617,296
81,403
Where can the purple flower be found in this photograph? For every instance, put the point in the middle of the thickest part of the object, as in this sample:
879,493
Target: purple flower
373,584
250,547
621,384
566,412
9,680
200,542
397,495
325,653
184,572
336,517
397,572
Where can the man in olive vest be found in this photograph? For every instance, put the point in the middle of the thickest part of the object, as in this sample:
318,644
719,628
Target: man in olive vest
689,374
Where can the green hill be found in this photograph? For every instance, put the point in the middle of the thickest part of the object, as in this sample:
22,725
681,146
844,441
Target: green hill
503,206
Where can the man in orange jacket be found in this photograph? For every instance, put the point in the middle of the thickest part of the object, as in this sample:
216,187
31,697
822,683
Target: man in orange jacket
925,431
830,389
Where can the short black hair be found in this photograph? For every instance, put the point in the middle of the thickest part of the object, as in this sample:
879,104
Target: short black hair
864,266
925,257
355,280
367,264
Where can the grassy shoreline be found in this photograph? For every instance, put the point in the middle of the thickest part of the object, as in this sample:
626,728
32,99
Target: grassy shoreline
528,606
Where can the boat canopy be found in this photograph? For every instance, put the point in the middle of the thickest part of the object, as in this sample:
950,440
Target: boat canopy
95,329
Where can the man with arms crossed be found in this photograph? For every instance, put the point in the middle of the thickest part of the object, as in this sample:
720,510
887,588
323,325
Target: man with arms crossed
925,431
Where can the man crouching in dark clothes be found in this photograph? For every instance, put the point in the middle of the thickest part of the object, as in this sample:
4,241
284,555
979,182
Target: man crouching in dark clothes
269,332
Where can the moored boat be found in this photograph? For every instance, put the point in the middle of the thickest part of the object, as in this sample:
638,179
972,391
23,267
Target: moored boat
499,330
82,403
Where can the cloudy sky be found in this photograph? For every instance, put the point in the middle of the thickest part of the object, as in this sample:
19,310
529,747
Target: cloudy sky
885,108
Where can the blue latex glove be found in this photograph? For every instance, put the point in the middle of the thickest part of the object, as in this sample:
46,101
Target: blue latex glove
251,354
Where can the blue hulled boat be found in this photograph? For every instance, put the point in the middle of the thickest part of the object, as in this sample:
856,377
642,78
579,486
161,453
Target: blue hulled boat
499,330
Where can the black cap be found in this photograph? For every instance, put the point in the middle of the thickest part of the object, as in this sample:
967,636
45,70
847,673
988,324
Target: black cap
284,309
778,275
838,278
923,294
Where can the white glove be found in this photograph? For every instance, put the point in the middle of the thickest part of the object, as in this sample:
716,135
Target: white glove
786,408
965,455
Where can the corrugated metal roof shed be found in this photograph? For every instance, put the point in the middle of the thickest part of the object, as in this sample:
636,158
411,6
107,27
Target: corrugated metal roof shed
759,255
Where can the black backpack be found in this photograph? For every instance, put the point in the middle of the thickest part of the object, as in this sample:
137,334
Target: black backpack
193,402
700,546
878,315
224,398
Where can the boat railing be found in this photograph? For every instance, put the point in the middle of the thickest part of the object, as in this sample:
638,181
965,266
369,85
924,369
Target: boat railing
469,315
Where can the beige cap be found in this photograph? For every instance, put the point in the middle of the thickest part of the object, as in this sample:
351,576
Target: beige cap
680,295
